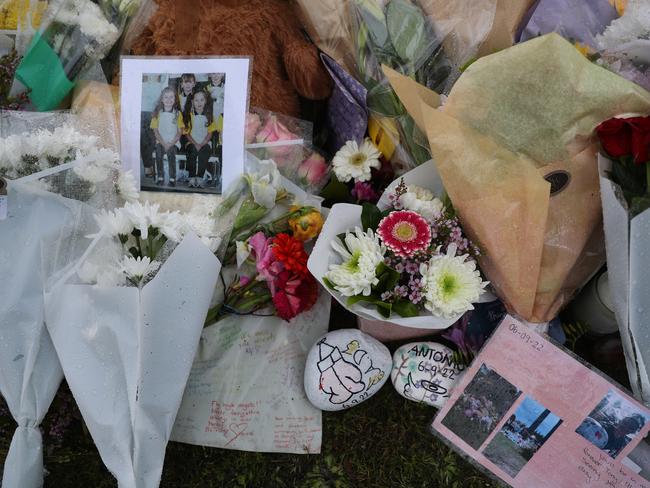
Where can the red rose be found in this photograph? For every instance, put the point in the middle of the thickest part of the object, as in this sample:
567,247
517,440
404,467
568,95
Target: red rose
615,137
640,128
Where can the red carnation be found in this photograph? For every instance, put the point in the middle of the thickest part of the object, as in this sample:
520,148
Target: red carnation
291,253
615,137
640,128
294,294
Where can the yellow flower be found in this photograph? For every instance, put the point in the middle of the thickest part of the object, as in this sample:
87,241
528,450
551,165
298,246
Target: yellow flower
306,226
584,49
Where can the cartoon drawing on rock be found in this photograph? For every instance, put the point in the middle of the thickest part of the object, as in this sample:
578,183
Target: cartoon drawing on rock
419,390
342,374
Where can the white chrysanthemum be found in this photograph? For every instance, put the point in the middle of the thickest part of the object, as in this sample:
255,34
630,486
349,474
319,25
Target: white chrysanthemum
102,267
633,24
98,166
143,216
422,201
172,226
138,269
113,224
450,284
126,186
352,162
361,256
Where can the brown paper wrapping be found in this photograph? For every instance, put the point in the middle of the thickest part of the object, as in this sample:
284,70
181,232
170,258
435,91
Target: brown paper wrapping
511,120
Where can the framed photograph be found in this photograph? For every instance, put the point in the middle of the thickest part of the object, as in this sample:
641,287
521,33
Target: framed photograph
183,121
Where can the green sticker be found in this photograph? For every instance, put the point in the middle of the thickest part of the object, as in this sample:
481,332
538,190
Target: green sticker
42,72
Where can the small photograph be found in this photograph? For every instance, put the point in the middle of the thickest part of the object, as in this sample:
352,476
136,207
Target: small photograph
183,122
639,459
522,436
181,130
481,406
613,424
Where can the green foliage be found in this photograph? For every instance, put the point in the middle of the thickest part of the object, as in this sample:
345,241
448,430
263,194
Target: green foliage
573,332
370,216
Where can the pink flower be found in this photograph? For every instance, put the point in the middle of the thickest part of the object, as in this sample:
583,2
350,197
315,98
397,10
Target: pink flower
274,131
404,232
364,192
263,254
253,124
313,169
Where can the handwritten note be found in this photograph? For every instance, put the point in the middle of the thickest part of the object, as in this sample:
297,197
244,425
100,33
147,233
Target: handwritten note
601,470
246,391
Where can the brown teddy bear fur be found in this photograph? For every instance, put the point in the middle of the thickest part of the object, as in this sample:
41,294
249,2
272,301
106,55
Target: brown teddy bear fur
285,64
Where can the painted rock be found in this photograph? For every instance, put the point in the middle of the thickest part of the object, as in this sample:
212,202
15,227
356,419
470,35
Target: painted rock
344,368
425,372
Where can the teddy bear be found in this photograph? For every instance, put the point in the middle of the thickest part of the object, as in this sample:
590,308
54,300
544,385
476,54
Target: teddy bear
285,64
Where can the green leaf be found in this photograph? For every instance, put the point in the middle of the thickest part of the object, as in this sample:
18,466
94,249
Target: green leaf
412,38
384,309
373,18
335,191
639,205
388,278
406,308
383,101
249,213
370,216
329,284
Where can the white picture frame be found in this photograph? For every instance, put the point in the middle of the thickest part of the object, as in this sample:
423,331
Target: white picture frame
138,141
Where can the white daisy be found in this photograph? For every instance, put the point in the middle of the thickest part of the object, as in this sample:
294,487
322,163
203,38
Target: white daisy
633,24
126,186
143,216
450,284
422,201
113,224
361,256
354,162
137,269
172,226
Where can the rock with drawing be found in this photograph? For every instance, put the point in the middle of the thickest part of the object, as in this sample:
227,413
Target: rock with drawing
344,368
425,372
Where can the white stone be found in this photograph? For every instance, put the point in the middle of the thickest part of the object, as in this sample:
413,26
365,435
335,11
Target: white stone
425,372
344,368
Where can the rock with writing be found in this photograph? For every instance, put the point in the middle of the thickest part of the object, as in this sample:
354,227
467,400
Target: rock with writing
344,368
425,372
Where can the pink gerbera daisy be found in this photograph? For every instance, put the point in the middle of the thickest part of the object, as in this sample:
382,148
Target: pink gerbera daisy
404,232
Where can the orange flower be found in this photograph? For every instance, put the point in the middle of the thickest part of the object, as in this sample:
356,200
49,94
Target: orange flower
291,253
307,226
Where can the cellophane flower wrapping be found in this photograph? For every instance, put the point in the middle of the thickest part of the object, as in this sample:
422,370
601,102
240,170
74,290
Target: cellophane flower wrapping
519,164
57,175
288,142
73,36
627,251
426,40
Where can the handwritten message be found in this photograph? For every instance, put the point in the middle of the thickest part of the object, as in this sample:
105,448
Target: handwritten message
601,470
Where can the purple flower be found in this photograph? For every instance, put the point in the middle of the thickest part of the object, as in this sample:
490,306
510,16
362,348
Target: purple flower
399,267
412,267
363,192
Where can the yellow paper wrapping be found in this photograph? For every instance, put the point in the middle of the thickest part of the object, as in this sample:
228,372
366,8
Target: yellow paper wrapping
515,150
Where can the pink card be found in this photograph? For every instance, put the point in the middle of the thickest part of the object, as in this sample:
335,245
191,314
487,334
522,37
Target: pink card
534,416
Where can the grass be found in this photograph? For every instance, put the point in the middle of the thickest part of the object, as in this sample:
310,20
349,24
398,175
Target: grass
384,442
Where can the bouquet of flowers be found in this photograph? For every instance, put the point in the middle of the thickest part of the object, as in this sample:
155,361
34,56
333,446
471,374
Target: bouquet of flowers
73,36
267,245
55,177
287,141
525,187
625,44
128,316
625,193
410,260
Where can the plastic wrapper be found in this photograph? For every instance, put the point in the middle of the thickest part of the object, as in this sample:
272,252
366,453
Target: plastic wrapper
73,36
49,211
519,165
133,348
629,283
575,20
624,46
22,17
507,19
424,40
288,142
327,23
